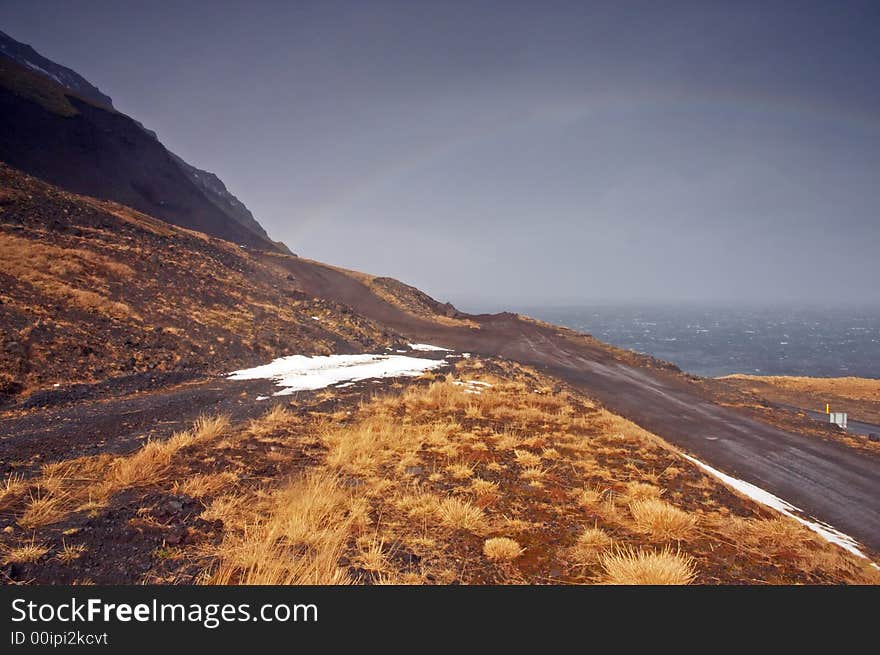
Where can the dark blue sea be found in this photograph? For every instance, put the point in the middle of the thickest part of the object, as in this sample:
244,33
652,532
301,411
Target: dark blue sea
714,341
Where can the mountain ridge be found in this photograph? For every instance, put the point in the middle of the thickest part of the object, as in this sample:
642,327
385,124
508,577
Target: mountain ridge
33,80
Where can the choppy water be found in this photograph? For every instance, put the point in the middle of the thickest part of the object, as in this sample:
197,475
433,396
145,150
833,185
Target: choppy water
712,341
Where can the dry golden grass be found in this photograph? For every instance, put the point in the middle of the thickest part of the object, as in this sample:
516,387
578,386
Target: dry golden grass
296,536
844,387
782,531
146,466
25,553
661,519
42,509
550,453
589,544
501,549
276,417
774,534
364,446
594,538
526,458
150,464
641,491
69,553
210,427
590,496
460,514
533,473
371,555
461,470
86,483
625,566
200,485
54,271
92,505
483,487
227,508
393,578
13,486
400,469
443,395
418,504
375,446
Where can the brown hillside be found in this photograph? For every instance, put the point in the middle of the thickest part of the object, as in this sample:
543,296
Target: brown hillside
91,290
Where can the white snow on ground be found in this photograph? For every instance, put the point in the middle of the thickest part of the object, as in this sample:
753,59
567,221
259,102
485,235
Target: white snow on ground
426,347
774,502
472,386
301,373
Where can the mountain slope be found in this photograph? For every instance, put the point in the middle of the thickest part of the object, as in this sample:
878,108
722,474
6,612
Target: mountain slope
26,56
91,290
60,128
215,191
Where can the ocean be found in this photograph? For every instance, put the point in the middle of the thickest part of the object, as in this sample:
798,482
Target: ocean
715,340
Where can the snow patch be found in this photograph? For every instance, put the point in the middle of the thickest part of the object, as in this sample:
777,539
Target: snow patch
472,386
32,65
426,347
774,502
301,373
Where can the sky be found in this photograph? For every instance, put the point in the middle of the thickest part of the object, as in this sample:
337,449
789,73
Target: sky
520,153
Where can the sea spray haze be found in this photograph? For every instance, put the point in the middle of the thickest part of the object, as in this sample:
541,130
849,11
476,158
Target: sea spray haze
713,340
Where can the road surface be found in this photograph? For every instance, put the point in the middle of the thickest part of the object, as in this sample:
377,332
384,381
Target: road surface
856,427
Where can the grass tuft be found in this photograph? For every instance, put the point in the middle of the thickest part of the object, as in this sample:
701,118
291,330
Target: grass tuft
661,520
588,546
26,553
460,514
626,566
501,549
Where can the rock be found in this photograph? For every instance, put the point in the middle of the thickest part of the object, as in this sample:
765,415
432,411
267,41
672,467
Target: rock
175,536
874,437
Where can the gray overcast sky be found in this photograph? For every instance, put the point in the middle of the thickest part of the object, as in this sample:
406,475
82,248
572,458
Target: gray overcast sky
519,152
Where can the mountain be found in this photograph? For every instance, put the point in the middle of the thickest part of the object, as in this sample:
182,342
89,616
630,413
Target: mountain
215,191
59,127
27,56
92,290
